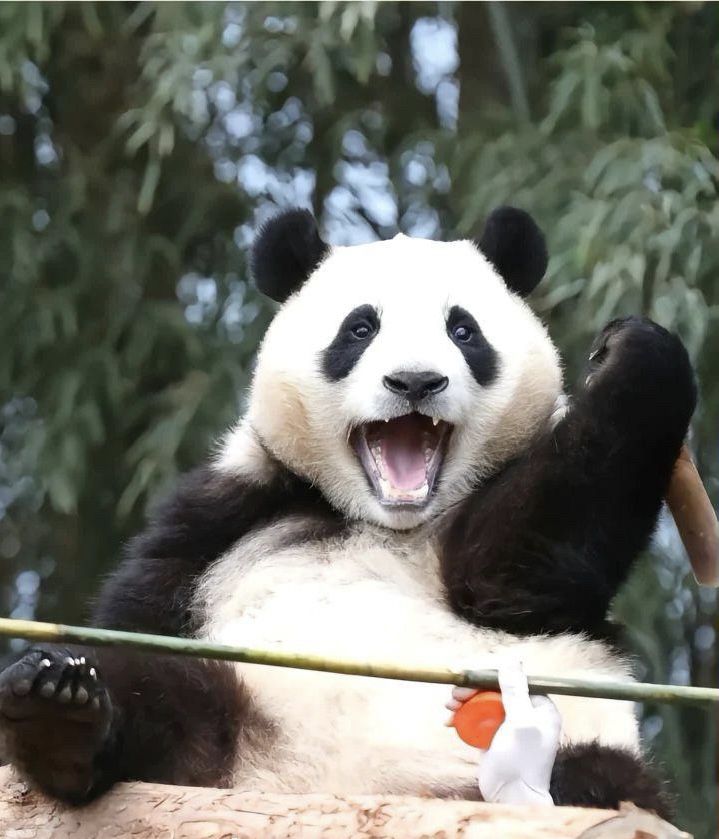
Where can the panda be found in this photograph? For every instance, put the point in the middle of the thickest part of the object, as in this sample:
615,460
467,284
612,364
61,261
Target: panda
409,483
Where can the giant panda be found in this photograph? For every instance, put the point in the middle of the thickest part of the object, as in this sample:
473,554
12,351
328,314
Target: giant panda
408,483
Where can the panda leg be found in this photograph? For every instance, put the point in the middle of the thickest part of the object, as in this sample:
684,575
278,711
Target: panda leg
592,775
56,720
76,721
180,720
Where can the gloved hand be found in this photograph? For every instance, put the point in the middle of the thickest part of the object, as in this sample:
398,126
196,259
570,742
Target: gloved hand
517,767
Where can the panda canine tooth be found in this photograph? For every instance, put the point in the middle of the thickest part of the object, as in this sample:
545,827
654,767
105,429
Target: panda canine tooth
435,420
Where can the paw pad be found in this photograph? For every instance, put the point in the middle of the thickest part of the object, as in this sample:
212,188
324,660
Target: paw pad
54,676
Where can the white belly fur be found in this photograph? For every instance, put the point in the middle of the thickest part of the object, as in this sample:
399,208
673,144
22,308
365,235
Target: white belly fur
376,598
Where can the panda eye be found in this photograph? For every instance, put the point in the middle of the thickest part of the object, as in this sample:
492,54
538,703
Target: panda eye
362,330
462,333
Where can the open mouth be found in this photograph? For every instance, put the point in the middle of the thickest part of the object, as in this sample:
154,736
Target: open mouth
402,457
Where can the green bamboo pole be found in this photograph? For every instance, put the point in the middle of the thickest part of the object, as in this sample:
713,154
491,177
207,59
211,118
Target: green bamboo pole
599,688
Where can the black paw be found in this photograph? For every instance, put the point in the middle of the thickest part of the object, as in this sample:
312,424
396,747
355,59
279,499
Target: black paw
51,681
636,339
639,362
55,720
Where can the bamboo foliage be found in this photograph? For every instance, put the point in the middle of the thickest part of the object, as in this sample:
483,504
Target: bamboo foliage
141,144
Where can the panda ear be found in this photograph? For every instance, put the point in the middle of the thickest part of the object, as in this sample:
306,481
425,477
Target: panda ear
514,244
286,250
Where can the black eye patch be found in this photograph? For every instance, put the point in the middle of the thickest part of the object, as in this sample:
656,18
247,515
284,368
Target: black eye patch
480,355
356,333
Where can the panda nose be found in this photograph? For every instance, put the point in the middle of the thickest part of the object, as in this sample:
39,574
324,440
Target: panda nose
415,386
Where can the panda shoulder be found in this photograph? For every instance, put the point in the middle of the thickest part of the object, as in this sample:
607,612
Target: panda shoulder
211,508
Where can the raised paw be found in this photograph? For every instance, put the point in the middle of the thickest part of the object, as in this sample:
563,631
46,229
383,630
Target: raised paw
639,344
47,681
639,363
55,718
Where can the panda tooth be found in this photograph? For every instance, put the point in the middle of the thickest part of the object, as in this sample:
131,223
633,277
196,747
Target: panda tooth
435,420
377,454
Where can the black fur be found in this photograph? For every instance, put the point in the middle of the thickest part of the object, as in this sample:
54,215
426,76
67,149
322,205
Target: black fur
541,548
480,355
57,719
285,252
162,718
355,334
544,546
590,775
157,718
514,244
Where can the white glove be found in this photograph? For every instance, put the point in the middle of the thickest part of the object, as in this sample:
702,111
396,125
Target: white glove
517,766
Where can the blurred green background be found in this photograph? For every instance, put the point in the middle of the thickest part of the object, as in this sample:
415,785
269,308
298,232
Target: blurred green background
140,145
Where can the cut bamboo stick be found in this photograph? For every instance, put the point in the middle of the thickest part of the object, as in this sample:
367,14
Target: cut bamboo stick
695,518
198,648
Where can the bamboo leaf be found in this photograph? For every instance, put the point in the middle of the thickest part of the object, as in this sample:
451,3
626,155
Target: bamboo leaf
149,185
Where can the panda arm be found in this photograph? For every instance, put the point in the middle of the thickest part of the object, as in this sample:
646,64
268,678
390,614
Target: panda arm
146,717
544,546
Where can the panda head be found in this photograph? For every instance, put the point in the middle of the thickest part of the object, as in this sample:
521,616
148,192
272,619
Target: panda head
398,374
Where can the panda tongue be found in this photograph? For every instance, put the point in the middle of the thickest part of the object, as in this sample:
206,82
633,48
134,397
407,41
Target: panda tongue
403,443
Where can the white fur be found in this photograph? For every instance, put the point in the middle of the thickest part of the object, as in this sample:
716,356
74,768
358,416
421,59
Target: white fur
377,596
305,420
240,454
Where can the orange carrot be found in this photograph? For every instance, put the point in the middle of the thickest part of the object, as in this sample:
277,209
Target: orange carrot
478,719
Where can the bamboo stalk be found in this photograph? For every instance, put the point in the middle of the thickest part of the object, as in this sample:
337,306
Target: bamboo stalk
509,57
198,648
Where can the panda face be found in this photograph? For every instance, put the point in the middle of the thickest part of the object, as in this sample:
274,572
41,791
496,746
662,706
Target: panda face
399,375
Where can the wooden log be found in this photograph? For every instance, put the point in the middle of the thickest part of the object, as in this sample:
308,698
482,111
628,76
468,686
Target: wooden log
157,811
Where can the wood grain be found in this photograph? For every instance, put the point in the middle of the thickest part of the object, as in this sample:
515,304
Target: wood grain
157,811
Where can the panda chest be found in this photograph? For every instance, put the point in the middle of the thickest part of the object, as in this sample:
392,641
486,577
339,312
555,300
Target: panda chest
368,598
357,598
